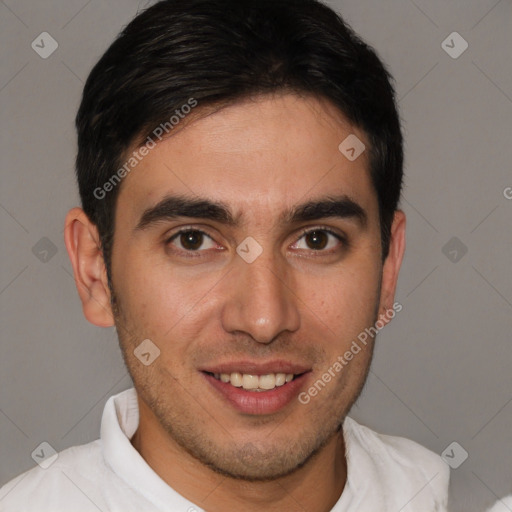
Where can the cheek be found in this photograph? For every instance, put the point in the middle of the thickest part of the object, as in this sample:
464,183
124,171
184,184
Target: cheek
345,303
146,300
159,302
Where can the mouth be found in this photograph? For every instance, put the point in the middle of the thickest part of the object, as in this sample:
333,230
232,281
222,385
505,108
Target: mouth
258,383
255,389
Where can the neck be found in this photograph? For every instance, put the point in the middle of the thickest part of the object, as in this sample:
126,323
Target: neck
316,486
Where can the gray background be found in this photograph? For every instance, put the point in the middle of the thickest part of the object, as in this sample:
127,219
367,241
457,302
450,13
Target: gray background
442,369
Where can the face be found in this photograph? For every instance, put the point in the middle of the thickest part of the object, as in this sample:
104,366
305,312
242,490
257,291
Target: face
247,249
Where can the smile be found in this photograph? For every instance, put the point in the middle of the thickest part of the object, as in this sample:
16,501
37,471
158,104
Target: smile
255,390
251,382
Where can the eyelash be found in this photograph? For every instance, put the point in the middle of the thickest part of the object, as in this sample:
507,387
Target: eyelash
341,238
306,231
187,254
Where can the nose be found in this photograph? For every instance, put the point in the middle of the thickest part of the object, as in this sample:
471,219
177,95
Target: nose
261,302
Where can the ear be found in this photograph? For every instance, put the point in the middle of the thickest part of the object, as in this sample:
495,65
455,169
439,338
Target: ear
84,250
392,265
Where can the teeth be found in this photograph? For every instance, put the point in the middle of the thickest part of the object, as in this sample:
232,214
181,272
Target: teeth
250,381
255,382
267,381
281,379
234,378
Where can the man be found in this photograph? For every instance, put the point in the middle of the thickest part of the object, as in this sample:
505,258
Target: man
239,166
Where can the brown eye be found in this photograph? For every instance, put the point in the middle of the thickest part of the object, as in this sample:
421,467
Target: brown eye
191,240
317,240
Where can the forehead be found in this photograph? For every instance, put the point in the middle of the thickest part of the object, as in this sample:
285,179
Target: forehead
262,155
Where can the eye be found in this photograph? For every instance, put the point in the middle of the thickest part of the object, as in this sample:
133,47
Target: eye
320,240
191,240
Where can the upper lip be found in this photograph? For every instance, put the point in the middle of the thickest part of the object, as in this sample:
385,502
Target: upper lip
257,368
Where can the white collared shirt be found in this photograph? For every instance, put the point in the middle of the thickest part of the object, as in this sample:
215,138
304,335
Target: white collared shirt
385,473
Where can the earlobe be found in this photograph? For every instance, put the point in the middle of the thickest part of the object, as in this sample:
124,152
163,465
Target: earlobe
392,265
84,250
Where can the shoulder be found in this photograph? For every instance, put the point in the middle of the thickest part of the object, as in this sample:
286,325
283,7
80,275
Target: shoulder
403,452
503,505
59,483
398,463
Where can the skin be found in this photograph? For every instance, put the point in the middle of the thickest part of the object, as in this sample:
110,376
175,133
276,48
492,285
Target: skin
296,302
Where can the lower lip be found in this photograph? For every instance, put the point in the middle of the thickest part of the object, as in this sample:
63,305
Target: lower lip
258,402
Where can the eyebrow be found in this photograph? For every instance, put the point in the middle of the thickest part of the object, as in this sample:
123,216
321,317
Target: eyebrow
341,207
172,207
